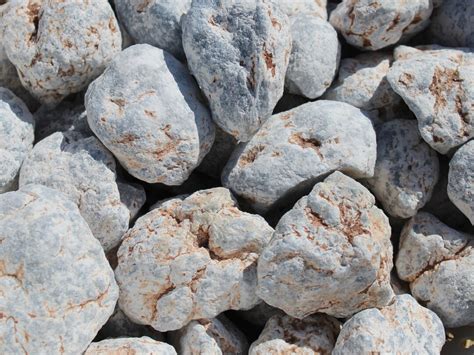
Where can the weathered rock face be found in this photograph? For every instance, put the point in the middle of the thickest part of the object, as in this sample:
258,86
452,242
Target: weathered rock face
56,284
295,149
130,346
438,262
59,47
403,327
372,25
315,334
16,138
461,180
146,110
331,252
304,7
239,54
438,85
190,259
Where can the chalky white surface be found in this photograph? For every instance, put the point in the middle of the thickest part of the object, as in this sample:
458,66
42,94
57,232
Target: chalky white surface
307,7
130,346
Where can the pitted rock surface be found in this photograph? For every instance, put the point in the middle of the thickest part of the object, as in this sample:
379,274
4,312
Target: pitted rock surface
306,7
130,346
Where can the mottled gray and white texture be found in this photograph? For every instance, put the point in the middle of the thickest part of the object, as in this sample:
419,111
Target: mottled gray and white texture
438,85
216,336
406,171
461,180
146,109
314,56
130,346
16,138
190,259
307,7
56,284
331,253
239,53
438,262
59,47
372,25
84,170
404,327
295,149
315,334
155,22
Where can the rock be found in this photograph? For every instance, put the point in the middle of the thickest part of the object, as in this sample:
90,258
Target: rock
260,314
438,86
306,7
59,47
402,327
130,346
16,138
210,336
145,109
315,334
56,284
84,170
314,57
461,180
406,171
239,54
133,196
372,25
438,261
331,252
295,149
190,259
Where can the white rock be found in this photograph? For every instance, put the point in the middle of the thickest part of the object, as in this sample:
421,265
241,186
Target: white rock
130,346
300,7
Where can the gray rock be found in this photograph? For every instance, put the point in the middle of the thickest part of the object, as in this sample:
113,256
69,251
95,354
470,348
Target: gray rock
438,261
16,138
59,47
438,86
461,180
155,22
56,284
133,196
406,171
146,109
403,327
331,253
314,57
129,346
295,149
190,259
372,25
307,7
239,54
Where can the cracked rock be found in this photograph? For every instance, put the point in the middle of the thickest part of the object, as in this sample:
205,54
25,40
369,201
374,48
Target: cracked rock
16,138
315,334
56,284
306,7
438,85
331,252
406,171
59,47
239,54
438,262
403,327
130,346
295,149
146,109
190,259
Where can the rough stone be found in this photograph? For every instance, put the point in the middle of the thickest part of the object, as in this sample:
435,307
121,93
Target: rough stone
306,7
133,196
130,346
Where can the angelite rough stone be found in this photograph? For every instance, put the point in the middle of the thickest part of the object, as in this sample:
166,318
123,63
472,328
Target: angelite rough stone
59,47
239,53
190,259
84,170
295,149
438,261
299,7
438,86
16,138
146,109
461,180
314,57
331,252
56,284
155,22
404,327
315,334
406,171
130,346
372,25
